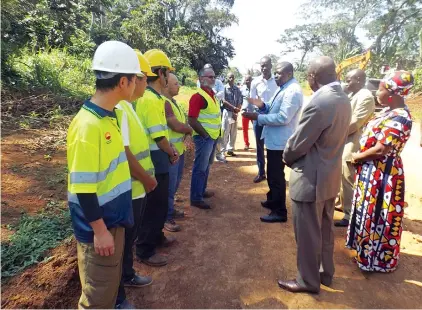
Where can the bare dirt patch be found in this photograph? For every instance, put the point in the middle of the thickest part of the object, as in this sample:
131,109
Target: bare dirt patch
224,257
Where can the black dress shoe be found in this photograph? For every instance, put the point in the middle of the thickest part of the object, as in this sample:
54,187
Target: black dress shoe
200,205
259,178
294,287
265,204
341,223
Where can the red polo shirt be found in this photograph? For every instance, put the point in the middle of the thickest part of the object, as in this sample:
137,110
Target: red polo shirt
198,103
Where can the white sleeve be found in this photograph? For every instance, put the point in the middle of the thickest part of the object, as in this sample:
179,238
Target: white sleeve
124,127
253,91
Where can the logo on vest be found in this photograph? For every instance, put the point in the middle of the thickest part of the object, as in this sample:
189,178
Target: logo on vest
108,137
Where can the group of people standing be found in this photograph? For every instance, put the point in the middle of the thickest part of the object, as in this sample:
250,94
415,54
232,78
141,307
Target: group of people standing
125,151
336,147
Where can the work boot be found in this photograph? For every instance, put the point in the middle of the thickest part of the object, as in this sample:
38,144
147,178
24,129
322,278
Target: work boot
170,225
209,194
178,214
138,281
167,241
200,205
156,260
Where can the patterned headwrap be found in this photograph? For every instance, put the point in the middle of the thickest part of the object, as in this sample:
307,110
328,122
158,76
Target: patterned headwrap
399,82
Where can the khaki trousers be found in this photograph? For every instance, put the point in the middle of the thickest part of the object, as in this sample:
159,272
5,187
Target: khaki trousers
313,226
346,188
100,275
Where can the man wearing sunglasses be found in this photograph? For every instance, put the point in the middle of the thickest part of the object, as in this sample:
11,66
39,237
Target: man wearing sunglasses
205,118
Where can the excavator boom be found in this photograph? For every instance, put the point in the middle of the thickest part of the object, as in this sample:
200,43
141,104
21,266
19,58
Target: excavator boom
362,59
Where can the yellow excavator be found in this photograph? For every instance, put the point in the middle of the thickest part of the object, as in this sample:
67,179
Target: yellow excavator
362,59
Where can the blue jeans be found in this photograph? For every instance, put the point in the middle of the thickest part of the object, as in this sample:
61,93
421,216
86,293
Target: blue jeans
175,177
260,157
204,156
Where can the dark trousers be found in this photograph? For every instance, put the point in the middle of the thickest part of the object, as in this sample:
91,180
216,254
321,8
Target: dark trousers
260,157
128,272
150,232
276,196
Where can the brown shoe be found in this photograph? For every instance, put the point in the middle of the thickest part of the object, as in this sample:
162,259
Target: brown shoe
156,260
209,194
294,287
167,241
171,225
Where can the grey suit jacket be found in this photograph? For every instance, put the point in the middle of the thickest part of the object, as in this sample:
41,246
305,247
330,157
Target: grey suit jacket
363,107
314,151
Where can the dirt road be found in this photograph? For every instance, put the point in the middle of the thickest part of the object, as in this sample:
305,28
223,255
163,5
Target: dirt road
227,258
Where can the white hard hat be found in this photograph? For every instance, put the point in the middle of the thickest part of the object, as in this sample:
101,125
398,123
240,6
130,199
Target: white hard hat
115,57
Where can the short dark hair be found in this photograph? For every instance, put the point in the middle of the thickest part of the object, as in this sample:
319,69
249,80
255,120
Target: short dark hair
111,83
156,71
286,66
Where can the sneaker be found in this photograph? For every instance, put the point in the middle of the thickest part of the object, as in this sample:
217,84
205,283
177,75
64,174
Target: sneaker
167,241
200,205
209,194
178,214
125,305
221,159
138,281
273,218
171,225
230,153
156,260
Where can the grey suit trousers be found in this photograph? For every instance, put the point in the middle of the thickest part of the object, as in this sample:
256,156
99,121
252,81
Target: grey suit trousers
313,226
346,189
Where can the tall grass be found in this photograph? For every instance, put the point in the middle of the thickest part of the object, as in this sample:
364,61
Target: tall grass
54,70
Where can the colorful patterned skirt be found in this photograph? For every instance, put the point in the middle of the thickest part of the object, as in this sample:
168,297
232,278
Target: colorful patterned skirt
375,226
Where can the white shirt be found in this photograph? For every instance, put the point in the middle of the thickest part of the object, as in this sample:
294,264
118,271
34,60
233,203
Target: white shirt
264,89
124,128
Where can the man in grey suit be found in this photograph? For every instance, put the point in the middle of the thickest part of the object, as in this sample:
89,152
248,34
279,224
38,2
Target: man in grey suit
314,153
363,107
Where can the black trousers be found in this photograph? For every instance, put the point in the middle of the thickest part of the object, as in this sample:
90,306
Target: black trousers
150,232
276,196
138,205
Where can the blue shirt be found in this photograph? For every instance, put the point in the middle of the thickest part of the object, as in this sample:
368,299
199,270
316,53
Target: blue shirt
280,115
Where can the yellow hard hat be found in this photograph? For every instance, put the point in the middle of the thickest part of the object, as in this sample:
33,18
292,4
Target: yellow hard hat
143,62
158,58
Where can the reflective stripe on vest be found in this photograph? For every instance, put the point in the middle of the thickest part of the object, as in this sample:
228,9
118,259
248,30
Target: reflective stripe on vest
139,146
95,177
210,118
176,138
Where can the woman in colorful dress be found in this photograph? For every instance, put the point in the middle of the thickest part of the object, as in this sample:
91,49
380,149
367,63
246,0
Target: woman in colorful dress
375,226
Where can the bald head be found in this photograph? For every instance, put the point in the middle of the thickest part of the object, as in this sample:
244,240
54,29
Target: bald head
323,70
355,80
172,86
